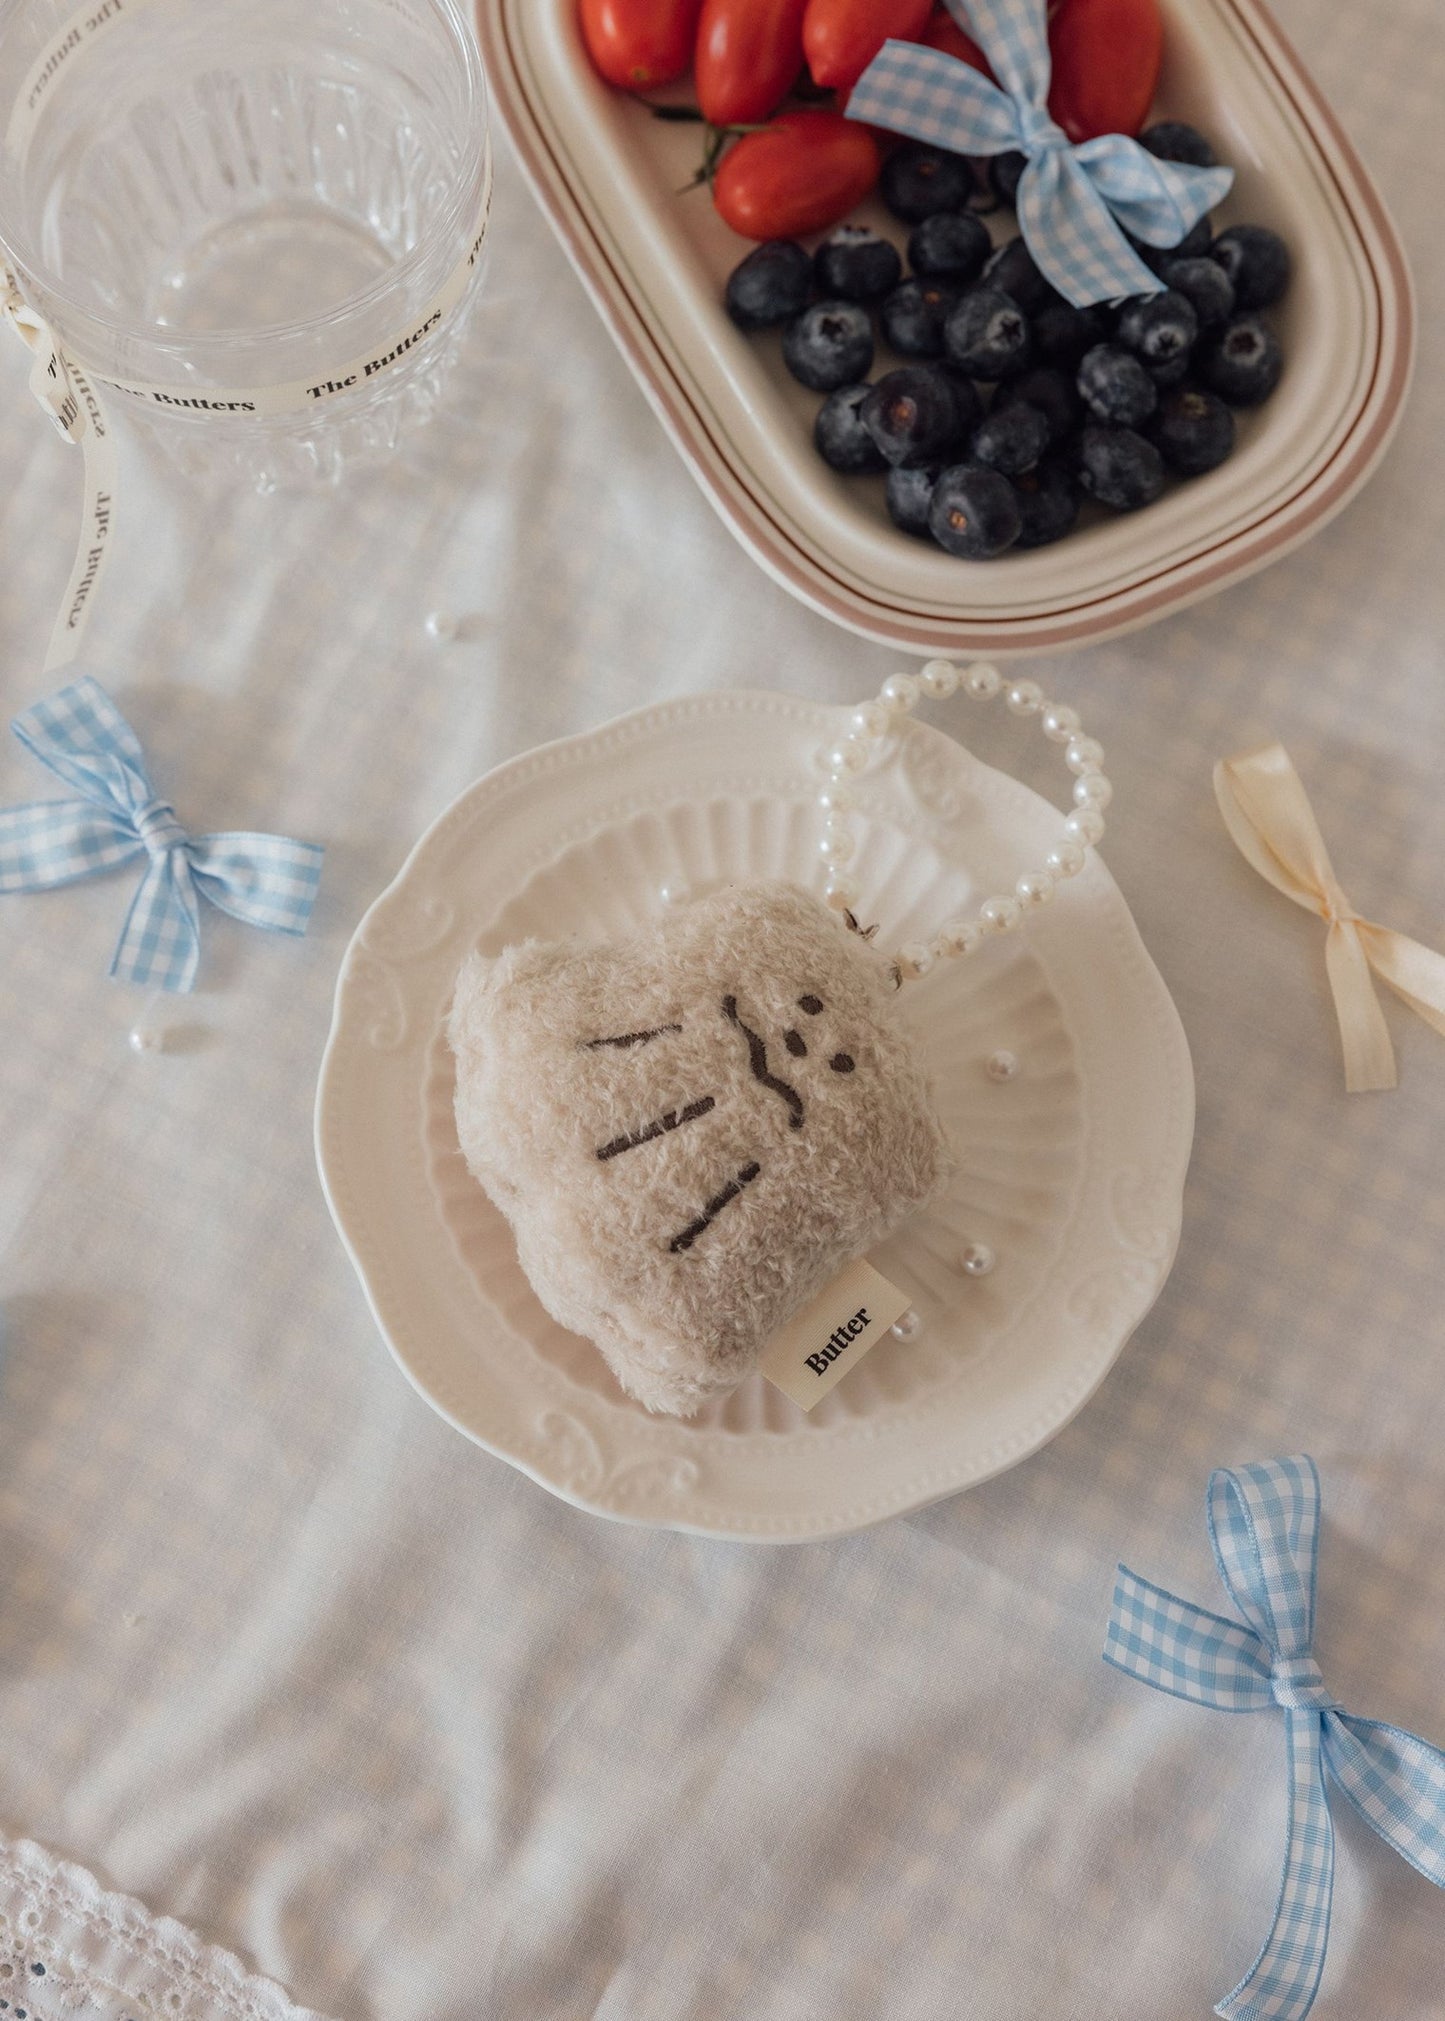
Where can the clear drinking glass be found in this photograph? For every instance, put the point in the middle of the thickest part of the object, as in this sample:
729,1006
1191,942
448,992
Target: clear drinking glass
206,198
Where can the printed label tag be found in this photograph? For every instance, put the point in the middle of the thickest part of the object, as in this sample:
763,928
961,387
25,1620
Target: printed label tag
819,1345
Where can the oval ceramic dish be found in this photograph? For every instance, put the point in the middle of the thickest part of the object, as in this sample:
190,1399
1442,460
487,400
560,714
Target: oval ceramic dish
1072,1169
655,262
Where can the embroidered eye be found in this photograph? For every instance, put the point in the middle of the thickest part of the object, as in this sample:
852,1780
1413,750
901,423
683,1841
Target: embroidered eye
811,1004
842,1063
795,1044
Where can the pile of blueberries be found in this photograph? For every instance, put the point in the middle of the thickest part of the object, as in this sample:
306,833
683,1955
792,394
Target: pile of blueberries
1014,406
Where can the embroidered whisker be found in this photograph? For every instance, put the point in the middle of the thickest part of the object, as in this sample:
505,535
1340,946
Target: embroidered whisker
624,1039
714,1207
673,1119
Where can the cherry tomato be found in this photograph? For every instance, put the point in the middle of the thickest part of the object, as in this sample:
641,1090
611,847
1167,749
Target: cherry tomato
944,33
1106,64
749,53
639,43
842,37
800,174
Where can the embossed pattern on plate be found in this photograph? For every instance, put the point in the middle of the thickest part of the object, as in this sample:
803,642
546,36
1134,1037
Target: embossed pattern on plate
1072,1170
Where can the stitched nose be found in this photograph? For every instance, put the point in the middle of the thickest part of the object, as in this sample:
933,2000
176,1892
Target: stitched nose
1298,1686
758,1063
159,830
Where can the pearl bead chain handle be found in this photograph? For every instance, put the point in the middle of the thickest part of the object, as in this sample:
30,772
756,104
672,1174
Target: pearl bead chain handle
1082,829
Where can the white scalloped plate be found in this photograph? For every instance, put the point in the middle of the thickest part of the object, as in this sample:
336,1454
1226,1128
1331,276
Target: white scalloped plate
608,174
1073,1170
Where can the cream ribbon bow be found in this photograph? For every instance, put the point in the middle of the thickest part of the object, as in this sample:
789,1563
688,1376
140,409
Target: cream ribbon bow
1267,811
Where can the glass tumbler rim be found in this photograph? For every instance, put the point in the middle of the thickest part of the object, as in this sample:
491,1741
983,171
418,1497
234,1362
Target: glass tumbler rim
456,222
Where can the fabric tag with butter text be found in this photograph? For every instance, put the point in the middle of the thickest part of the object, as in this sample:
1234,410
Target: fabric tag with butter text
832,1333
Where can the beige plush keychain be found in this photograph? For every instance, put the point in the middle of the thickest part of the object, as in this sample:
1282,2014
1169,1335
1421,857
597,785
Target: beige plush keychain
692,1130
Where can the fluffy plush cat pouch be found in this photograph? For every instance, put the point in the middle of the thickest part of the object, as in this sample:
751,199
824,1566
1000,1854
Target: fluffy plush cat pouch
691,1130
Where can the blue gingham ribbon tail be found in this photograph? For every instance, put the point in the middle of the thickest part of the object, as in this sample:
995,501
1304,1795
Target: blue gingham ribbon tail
1264,1526
1072,200
79,734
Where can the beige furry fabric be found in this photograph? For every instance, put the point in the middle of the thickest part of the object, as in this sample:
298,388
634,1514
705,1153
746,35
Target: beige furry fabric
690,1131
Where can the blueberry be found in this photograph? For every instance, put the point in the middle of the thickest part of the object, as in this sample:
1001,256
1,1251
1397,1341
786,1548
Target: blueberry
1120,468
1048,505
1194,245
988,335
840,437
1010,438
912,415
829,345
856,265
1173,140
913,316
1052,393
1257,261
974,513
918,182
1242,362
1173,372
1004,173
1158,328
908,495
1193,431
966,398
951,244
1204,285
1063,333
1013,269
772,285
1115,387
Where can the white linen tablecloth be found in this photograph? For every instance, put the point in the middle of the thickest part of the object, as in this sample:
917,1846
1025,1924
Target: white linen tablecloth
285,1657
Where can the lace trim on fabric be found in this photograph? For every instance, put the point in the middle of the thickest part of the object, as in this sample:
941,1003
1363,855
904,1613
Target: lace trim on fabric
70,1951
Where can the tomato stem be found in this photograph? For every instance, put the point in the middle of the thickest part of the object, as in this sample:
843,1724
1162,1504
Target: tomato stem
713,150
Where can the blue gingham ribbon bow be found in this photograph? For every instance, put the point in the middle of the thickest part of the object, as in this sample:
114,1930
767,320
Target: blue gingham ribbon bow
1071,200
265,880
1264,1526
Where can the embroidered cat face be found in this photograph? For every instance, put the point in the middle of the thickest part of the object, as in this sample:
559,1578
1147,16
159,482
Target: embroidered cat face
690,1131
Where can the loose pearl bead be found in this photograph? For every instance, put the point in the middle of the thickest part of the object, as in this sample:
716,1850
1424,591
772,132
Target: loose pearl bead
837,845
1086,826
907,1326
1035,888
441,626
1000,915
978,1259
1093,790
842,892
1085,754
1001,1066
145,1039
982,681
960,938
1025,698
899,692
939,679
1059,723
837,800
672,894
1065,861
849,756
915,959
870,719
